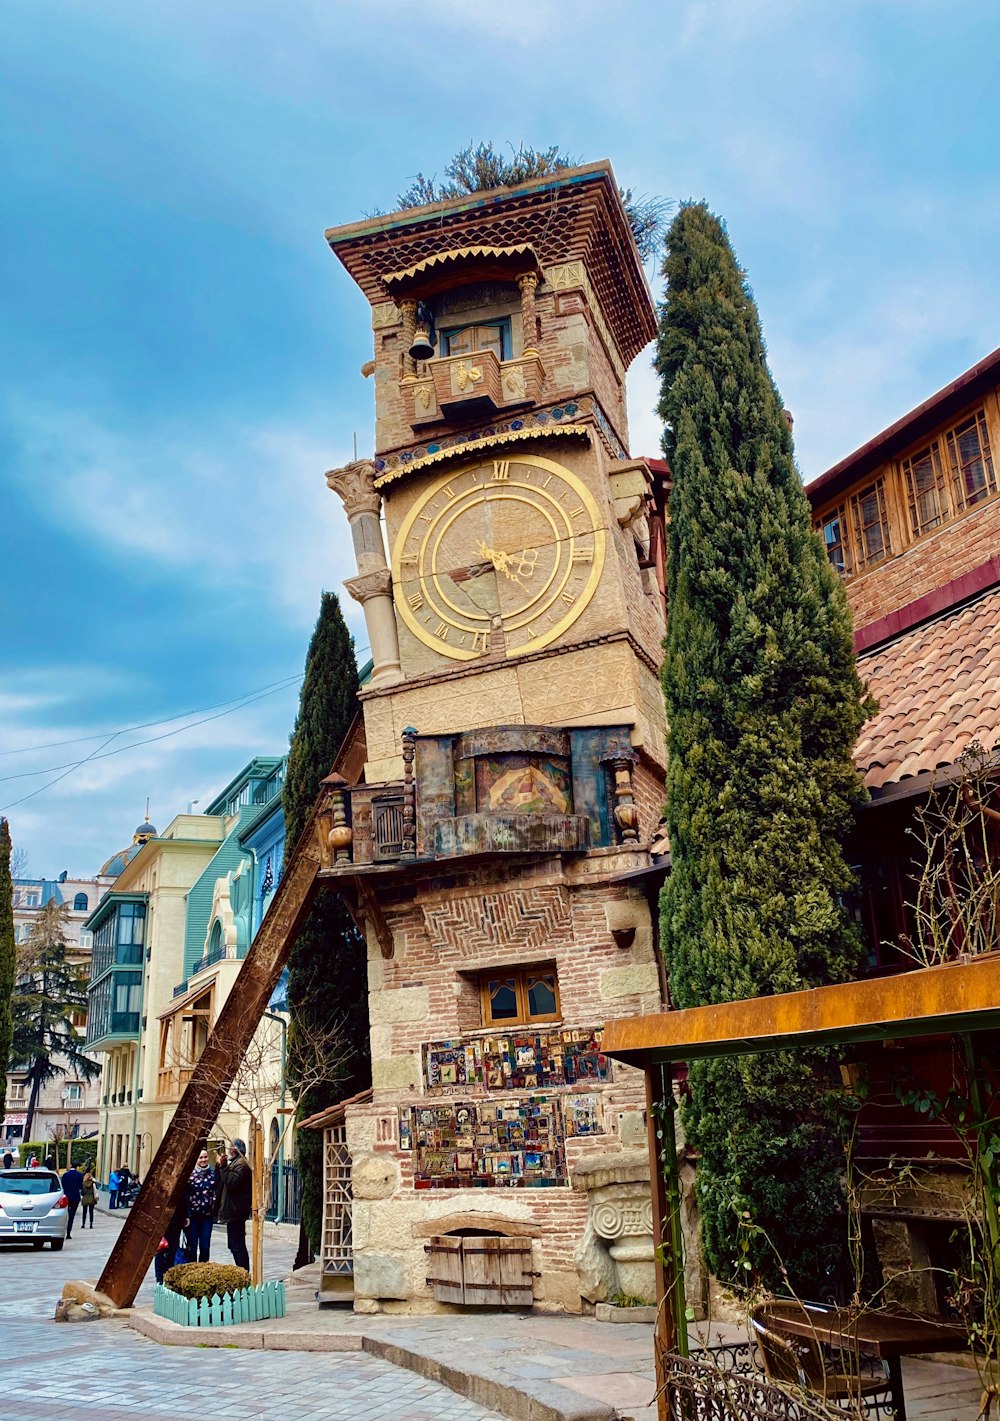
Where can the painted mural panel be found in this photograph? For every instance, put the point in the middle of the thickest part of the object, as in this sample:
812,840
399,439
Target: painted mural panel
518,1060
480,1144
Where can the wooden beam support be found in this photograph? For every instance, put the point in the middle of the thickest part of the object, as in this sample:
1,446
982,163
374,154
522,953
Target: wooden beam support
930,1001
196,1114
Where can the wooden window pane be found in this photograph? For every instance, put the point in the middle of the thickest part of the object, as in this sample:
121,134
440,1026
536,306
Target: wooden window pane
542,995
835,540
871,524
503,999
925,489
971,462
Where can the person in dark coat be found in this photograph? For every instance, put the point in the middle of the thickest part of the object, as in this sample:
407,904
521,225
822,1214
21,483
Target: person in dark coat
236,1201
72,1183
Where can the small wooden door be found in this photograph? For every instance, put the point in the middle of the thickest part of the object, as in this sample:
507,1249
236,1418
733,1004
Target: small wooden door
482,1271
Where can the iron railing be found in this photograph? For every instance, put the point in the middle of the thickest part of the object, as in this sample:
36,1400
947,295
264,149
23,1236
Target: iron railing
285,1203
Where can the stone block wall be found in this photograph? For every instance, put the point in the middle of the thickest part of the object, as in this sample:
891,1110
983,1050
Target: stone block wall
446,931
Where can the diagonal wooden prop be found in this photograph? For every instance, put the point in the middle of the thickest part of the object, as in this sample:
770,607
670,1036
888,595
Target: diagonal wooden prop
206,1091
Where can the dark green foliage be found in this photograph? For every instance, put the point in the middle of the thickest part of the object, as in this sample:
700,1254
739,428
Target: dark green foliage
328,969
479,168
7,958
50,990
764,705
205,1280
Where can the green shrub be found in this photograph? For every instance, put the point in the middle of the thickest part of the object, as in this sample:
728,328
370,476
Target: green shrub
204,1280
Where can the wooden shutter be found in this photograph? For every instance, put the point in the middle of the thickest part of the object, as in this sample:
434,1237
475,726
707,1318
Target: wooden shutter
446,1269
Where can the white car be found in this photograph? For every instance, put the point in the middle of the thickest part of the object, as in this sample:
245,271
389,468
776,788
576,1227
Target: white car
33,1208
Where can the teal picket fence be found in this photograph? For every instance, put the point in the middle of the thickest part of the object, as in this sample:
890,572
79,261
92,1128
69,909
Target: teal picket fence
248,1305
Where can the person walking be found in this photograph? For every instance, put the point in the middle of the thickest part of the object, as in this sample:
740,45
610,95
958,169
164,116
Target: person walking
88,1195
114,1184
170,1251
202,1193
8,1160
72,1183
236,1201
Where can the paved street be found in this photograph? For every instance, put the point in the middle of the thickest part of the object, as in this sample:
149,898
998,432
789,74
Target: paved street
103,1369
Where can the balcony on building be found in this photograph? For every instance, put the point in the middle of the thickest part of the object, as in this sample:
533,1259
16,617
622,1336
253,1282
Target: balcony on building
499,790
114,996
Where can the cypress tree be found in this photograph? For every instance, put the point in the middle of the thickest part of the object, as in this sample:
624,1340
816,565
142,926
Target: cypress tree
51,992
764,705
328,968
7,959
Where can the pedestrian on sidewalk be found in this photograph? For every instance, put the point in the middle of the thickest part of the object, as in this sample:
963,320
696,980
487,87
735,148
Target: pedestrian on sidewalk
202,1194
114,1184
8,1160
88,1195
236,1201
172,1252
72,1183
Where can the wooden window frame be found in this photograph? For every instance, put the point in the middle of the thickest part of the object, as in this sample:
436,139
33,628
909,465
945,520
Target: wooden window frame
929,453
961,496
503,323
863,558
522,976
838,514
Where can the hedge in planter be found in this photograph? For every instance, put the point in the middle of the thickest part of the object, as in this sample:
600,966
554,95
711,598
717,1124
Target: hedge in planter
215,1295
205,1280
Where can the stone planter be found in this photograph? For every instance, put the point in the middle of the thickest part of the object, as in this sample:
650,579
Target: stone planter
247,1305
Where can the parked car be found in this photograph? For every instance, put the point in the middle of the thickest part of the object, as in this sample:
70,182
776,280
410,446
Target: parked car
33,1208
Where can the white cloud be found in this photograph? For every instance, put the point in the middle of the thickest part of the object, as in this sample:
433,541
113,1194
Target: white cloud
230,506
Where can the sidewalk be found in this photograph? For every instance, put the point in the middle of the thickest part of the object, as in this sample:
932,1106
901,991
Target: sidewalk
529,1367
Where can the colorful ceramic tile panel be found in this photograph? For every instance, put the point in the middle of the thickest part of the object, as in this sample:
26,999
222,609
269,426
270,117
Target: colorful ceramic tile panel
486,1145
519,1060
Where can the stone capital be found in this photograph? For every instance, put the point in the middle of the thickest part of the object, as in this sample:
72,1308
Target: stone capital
354,484
370,584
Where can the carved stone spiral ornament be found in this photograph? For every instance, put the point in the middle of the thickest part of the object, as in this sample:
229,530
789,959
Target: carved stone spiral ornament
616,1220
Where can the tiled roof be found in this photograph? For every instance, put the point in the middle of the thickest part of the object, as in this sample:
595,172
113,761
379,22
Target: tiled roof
938,689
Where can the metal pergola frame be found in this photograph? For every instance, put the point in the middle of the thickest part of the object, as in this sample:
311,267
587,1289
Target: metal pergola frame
958,999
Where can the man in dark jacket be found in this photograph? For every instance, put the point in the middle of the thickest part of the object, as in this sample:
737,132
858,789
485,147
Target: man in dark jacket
236,1201
72,1183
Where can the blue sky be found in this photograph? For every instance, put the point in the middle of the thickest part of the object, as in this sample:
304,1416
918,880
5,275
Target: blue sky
180,352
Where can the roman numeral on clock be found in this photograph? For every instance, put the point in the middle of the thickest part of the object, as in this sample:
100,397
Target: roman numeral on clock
441,631
480,641
501,468
416,601
583,555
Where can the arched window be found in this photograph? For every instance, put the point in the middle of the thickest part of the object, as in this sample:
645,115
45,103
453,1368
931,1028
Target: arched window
80,903
215,941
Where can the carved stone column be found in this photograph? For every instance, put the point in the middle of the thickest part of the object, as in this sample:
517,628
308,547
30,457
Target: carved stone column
615,1254
528,284
355,486
409,310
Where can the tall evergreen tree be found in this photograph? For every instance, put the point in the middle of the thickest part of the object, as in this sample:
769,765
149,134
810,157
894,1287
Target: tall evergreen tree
764,705
51,990
328,968
7,959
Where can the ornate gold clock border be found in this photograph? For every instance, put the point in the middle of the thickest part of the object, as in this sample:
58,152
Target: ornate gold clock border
473,446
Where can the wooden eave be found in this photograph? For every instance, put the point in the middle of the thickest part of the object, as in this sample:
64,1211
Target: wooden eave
927,417
334,1114
929,1001
573,215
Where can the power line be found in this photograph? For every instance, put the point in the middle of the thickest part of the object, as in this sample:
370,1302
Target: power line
145,725
151,740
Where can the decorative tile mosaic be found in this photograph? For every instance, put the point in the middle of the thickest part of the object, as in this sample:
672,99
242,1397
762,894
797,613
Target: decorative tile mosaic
518,1060
487,1144
391,466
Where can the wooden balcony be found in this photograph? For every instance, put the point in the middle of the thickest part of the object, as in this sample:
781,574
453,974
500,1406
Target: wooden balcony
456,388
171,1080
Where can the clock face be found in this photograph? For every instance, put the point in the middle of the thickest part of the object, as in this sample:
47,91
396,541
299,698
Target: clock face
498,555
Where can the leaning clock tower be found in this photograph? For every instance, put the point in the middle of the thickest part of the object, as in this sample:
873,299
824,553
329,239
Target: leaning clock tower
493,816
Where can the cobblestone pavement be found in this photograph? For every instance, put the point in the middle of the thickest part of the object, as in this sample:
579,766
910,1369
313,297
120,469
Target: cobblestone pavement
104,1370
